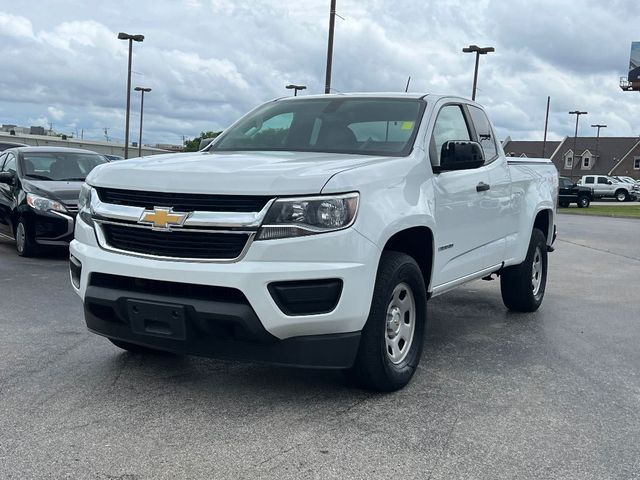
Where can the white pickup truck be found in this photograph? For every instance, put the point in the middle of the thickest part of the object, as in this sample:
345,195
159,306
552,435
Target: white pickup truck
312,232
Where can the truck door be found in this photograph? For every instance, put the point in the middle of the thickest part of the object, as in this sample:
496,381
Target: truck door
602,186
496,203
462,233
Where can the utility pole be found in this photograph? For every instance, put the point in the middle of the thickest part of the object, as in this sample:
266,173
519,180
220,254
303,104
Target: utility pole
577,113
598,126
332,26
106,133
546,124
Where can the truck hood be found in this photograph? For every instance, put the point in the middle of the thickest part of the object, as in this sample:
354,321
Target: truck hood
255,173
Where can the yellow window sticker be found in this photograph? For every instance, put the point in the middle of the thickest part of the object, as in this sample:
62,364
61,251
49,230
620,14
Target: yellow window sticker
406,125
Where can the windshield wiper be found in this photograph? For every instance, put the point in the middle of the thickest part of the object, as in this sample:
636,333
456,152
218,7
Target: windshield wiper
38,177
78,179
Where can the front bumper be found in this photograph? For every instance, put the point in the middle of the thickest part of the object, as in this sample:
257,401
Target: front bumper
260,330
51,228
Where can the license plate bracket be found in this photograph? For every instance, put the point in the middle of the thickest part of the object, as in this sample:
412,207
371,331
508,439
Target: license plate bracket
157,319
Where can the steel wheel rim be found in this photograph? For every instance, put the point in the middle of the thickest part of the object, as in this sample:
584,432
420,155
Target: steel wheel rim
536,272
20,237
400,323
621,197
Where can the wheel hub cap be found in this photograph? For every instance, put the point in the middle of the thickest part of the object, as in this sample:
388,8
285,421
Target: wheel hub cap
536,272
400,323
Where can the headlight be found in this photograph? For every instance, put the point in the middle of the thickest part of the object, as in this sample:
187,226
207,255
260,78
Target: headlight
43,204
84,204
296,217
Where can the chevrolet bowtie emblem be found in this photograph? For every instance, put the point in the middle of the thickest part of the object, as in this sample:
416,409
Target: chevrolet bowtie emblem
161,218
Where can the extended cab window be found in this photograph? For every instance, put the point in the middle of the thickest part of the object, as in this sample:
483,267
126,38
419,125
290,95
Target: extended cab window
602,180
450,125
485,134
366,126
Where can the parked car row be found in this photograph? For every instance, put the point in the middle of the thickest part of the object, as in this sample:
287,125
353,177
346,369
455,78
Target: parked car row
604,186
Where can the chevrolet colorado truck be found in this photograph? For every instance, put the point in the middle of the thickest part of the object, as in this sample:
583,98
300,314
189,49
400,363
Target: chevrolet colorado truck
312,232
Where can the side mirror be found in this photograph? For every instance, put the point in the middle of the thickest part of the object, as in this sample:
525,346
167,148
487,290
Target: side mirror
609,182
205,143
460,155
7,177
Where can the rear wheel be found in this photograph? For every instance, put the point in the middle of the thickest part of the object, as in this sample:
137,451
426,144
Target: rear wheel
622,196
391,342
583,202
25,245
523,285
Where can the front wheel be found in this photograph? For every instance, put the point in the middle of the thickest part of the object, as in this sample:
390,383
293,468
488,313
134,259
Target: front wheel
522,286
25,245
583,202
622,196
391,342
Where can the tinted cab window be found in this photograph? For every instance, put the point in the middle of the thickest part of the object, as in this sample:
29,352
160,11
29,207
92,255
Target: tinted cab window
485,133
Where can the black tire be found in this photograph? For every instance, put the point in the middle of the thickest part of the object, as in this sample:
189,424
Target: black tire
374,368
133,348
564,204
25,245
622,195
584,202
516,282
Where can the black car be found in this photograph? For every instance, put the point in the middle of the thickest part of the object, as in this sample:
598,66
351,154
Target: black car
39,189
569,192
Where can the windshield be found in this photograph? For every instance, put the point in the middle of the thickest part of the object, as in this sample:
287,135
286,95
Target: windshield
365,126
59,166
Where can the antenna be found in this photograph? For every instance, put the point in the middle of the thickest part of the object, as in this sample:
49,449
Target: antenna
406,89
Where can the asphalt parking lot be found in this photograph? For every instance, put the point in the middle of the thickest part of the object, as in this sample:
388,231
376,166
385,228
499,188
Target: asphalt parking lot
555,394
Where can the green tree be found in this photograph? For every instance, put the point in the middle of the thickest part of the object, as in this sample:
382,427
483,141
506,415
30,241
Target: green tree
194,145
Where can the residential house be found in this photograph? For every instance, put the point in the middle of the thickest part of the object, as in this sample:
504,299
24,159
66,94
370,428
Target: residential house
529,149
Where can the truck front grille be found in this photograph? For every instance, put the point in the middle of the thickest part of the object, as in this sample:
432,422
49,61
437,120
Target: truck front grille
183,244
184,202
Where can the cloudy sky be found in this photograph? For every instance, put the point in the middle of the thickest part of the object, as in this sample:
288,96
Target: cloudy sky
209,61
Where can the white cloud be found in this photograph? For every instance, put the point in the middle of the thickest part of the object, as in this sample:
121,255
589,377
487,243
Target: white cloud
56,113
209,61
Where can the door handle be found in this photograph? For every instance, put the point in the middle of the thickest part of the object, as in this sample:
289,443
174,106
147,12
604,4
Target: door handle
482,187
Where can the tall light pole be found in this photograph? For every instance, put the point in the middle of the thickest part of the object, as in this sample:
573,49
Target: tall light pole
142,91
131,39
577,113
598,126
295,88
332,26
478,51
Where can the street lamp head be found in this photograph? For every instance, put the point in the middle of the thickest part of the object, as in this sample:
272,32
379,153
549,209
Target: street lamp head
126,36
296,87
478,50
578,112
599,126
142,89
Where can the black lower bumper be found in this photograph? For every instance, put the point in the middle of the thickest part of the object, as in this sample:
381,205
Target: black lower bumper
224,327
